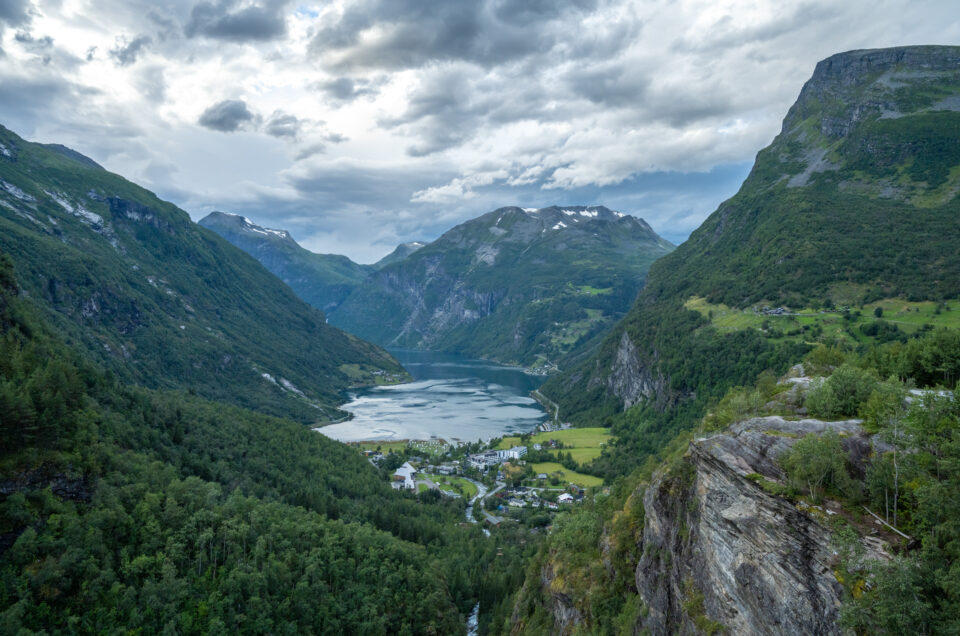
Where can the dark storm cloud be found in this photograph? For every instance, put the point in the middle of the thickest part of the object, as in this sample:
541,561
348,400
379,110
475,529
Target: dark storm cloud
482,64
525,12
126,53
15,12
446,111
283,124
384,188
610,85
412,33
33,44
456,102
22,98
346,89
226,116
236,22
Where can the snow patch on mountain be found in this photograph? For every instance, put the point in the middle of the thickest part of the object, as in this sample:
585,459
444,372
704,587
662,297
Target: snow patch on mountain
16,192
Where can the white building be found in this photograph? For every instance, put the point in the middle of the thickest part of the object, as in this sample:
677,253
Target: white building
482,461
512,453
403,478
565,498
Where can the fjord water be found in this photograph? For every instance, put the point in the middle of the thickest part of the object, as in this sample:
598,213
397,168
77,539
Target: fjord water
451,398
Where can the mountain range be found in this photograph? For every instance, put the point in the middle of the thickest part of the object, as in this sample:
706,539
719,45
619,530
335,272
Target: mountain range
323,280
523,286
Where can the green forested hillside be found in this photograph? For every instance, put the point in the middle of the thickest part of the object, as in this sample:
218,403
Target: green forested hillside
124,508
854,205
158,300
323,280
520,286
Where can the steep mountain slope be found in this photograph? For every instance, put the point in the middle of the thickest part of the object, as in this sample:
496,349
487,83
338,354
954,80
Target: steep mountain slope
323,280
854,201
520,286
162,302
403,250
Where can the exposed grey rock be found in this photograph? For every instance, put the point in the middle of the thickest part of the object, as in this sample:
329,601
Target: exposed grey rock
631,378
762,564
865,81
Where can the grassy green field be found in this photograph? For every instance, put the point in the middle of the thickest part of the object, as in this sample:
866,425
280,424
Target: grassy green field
584,444
456,484
585,481
906,315
569,333
419,447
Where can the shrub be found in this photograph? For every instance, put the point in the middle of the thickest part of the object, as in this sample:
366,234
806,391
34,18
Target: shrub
816,463
842,394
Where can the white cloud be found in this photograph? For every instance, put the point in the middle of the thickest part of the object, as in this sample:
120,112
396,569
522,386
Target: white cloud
412,116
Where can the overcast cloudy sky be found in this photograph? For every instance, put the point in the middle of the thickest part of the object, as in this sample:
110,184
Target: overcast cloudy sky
358,124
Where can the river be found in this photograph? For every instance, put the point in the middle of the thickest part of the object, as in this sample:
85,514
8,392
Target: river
451,398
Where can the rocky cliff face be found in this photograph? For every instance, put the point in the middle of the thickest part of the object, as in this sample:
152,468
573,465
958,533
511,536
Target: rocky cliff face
719,551
633,378
850,87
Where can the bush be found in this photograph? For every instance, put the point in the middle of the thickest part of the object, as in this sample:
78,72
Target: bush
817,463
822,360
885,403
842,394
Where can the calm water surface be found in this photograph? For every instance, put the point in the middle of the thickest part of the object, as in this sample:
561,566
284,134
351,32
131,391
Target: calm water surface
451,398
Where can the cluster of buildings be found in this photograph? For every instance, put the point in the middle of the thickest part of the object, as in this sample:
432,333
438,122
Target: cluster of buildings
486,459
550,426
522,497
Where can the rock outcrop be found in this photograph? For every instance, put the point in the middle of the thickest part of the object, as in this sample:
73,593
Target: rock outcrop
633,379
718,550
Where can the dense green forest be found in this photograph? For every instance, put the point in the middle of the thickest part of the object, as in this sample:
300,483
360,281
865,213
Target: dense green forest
133,509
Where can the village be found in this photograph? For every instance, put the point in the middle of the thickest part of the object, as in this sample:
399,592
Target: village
521,479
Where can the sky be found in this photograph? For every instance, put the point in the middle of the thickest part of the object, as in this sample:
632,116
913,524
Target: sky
360,124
